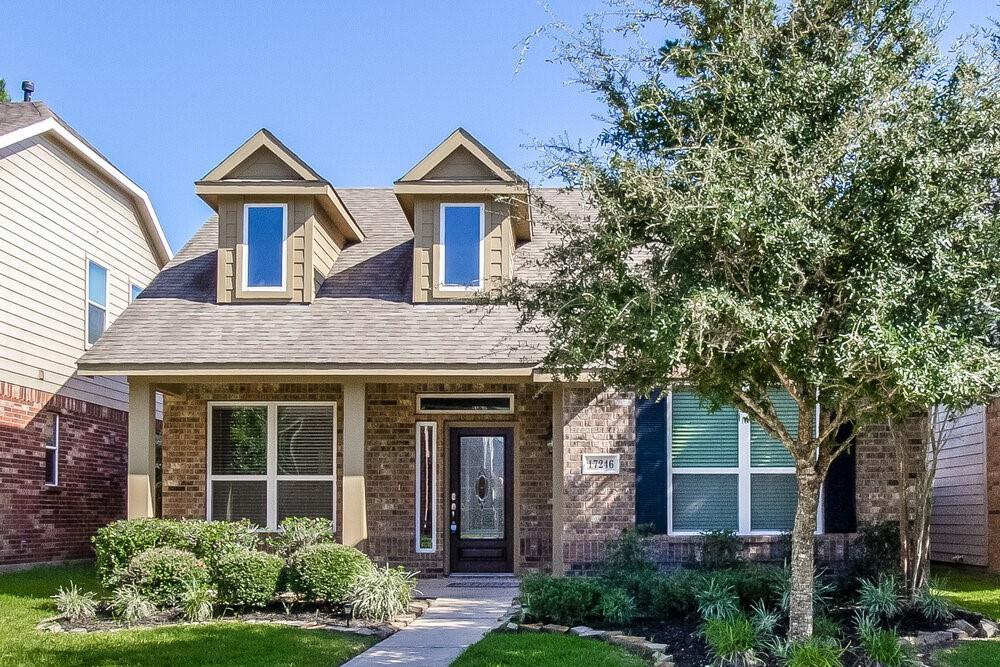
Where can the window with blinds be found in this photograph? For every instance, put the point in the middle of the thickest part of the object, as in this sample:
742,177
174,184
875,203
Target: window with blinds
271,461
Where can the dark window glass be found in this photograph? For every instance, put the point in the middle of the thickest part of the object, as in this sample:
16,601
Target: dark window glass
466,403
239,441
50,436
310,499
305,440
232,501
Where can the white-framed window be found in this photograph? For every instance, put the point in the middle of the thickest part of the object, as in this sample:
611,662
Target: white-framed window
725,472
265,230
134,290
270,460
426,488
465,403
50,438
97,301
462,230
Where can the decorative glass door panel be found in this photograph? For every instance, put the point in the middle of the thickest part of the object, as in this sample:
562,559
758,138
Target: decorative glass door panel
482,487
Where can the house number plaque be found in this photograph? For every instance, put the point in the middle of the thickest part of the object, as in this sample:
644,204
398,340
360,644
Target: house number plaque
601,464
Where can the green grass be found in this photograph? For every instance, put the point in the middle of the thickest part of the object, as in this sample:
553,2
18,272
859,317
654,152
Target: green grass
503,649
974,590
970,654
24,601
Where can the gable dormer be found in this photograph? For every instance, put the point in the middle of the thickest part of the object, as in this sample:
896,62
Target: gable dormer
281,225
468,210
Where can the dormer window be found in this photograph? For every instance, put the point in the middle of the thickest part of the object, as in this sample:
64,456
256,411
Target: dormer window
265,227
462,233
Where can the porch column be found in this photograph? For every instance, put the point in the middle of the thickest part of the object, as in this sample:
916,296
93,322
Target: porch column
355,528
558,486
141,448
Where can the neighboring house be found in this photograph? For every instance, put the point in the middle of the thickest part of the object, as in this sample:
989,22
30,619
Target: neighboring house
320,355
965,524
78,242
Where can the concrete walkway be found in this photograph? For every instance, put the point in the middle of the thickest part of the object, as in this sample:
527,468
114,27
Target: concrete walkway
466,608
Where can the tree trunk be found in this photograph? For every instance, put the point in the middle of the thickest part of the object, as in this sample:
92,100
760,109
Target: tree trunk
800,612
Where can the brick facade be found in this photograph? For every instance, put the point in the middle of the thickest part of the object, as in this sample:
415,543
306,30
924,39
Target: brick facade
40,523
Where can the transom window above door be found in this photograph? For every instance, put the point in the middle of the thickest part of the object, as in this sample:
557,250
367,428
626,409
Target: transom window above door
265,228
462,232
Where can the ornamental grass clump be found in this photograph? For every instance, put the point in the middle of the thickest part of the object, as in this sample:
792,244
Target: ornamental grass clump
932,605
732,641
880,599
197,600
717,600
617,606
74,604
382,593
880,647
129,605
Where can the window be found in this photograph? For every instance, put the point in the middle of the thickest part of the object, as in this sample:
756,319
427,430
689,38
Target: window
462,231
50,436
134,291
726,473
271,461
426,488
97,301
264,232
459,403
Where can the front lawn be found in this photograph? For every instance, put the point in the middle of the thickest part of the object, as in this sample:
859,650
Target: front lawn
24,601
970,654
508,649
972,589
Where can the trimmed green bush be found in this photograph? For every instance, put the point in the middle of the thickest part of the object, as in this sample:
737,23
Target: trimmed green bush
116,544
563,600
673,595
213,540
161,574
298,532
248,578
326,571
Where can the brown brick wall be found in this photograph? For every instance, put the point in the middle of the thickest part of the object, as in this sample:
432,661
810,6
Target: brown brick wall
993,485
40,523
877,471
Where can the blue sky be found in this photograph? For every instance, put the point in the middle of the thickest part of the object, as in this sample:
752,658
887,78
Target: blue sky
360,90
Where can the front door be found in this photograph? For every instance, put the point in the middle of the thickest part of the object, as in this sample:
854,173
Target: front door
479,497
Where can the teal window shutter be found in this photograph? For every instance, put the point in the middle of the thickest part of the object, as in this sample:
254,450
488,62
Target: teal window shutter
772,501
766,451
705,502
703,439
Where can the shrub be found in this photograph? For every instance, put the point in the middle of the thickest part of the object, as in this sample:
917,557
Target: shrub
720,549
673,595
627,557
880,598
753,582
617,606
196,601
875,550
116,544
248,578
75,604
933,606
732,641
717,600
563,600
129,605
813,652
882,648
162,573
297,532
326,571
824,626
381,594
214,540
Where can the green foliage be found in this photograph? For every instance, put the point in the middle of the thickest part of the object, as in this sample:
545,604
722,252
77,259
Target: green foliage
4,96
326,571
823,591
213,540
717,599
627,556
162,574
932,605
617,606
671,595
732,641
824,626
297,532
880,599
875,550
816,651
248,578
129,605
74,604
196,600
720,549
382,593
765,621
882,648
564,600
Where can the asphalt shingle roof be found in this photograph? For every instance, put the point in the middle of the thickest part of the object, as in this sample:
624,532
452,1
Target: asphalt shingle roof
363,315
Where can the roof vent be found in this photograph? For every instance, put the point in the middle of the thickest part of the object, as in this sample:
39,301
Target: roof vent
28,87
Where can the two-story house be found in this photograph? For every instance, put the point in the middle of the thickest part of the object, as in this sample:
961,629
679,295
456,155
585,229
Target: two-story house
78,242
321,354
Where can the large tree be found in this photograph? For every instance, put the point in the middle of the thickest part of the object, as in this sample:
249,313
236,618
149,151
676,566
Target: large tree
785,195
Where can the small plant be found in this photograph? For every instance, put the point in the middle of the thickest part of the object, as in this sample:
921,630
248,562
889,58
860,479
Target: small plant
326,571
563,600
882,648
824,626
129,605
932,606
720,549
197,600
717,600
163,573
765,622
875,550
813,652
823,590
732,641
880,599
617,606
381,594
628,555
297,532
248,578
75,604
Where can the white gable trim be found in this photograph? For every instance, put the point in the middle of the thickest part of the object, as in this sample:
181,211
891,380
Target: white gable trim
51,125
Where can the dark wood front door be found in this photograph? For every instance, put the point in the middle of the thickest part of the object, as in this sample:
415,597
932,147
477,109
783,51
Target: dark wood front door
480,503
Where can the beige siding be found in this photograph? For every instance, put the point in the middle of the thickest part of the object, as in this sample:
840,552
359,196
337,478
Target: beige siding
327,243
461,165
958,523
55,213
263,164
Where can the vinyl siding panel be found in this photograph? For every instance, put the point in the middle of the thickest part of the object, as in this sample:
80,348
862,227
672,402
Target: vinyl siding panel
958,521
55,213
326,244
